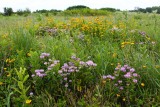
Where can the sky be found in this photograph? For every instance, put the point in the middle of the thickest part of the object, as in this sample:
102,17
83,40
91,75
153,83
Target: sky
63,4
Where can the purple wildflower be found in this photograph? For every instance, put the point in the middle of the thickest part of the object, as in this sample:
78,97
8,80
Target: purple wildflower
132,70
127,75
135,80
123,69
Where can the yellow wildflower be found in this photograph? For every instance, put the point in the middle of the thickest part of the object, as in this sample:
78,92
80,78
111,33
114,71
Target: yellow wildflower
103,81
28,54
112,64
8,75
142,84
124,99
114,55
118,95
1,83
28,101
122,46
5,69
144,66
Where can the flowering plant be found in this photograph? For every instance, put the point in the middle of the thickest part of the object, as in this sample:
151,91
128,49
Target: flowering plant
124,81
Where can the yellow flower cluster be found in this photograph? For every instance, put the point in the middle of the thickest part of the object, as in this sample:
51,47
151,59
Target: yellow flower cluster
123,44
8,60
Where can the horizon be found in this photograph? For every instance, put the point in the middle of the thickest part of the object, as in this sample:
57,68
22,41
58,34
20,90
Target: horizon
62,5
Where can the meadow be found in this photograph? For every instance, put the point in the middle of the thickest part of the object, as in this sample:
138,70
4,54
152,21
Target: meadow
80,61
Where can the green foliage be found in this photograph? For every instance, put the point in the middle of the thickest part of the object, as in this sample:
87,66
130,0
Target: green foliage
23,12
21,90
8,11
149,10
109,9
77,7
84,12
158,11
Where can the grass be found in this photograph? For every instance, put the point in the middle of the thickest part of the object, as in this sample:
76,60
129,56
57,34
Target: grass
102,43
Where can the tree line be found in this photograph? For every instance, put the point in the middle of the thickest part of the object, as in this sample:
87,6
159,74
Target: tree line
155,9
9,11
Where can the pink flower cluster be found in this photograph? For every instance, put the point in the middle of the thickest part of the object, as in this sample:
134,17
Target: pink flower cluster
123,76
40,72
44,55
71,67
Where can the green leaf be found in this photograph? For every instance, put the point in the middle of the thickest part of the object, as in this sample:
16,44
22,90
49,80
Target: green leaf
20,85
25,78
17,90
27,88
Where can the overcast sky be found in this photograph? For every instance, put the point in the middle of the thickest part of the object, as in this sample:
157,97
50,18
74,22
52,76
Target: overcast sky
63,4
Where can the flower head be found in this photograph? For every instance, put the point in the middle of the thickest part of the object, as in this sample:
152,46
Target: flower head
135,80
142,84
123,69
28,101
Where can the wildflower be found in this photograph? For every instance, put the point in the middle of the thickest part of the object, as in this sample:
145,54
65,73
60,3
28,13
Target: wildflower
49,68
45,63
127,75
119,81
31,93
65,79
110,77
28,54
118,95
114,55
135,74
1,83
41,57
5,69
104,77
28,101
135,80
121,88
32,75
91,63
112,64
142,84
132,70
125,66
66,85
70,80
8,75
60,71
123,69
124,99
122,46
115,84
144,66
103,82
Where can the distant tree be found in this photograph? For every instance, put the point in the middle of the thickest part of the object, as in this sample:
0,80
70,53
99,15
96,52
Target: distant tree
155,8
158,11
41,11
141,10
19,12
23,12
108,9
149,9
77,7
8,11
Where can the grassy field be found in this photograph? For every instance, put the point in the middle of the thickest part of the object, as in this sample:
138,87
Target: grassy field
82,61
